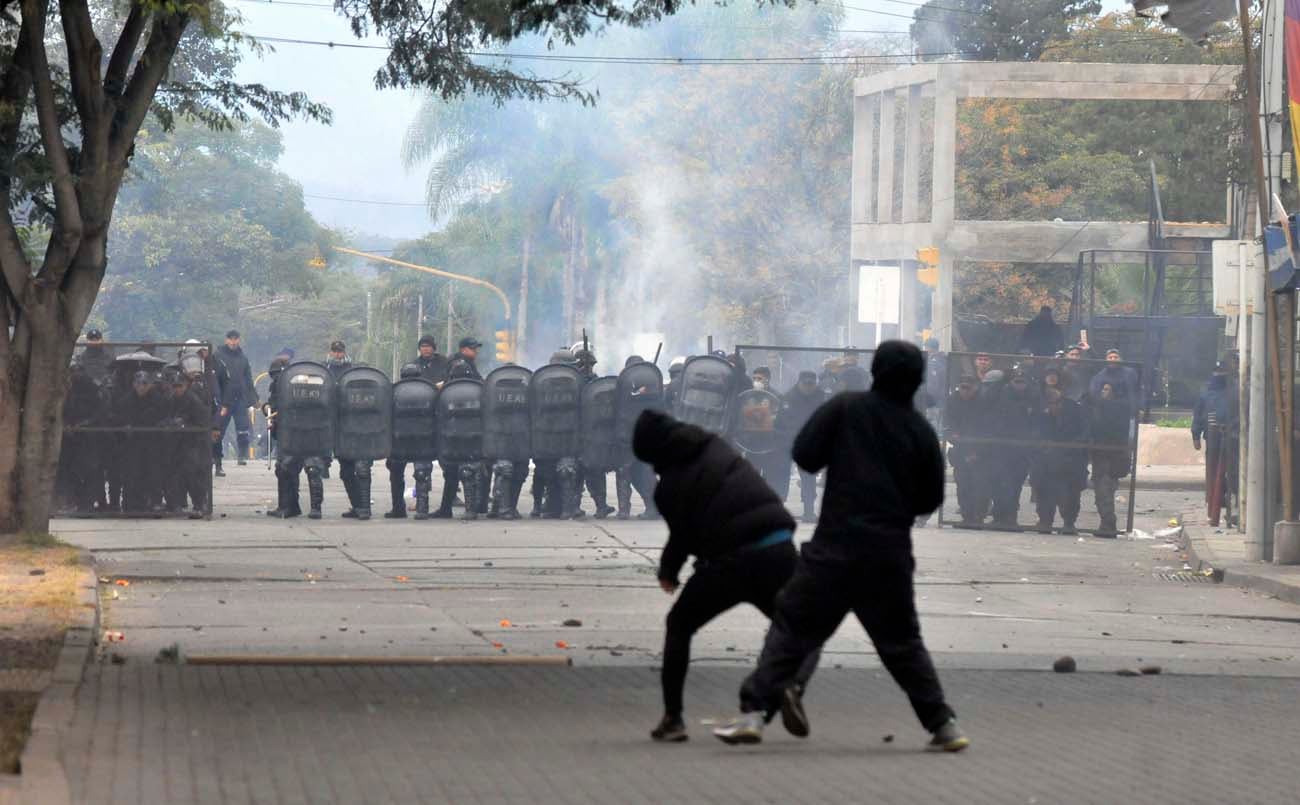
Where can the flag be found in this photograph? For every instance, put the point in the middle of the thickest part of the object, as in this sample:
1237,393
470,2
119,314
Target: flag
1292,50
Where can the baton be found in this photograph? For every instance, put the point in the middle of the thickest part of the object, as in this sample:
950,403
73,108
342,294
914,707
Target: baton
658,349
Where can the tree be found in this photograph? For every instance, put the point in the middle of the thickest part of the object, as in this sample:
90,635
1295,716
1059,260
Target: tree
67,134
995,30
204,217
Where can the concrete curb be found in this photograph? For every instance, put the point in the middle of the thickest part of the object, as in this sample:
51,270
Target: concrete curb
1239,575
43,778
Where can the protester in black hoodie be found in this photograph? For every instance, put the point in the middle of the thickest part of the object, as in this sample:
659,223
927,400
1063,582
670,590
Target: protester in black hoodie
719,509
884,469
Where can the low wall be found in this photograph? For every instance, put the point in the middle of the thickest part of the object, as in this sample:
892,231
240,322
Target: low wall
1168,446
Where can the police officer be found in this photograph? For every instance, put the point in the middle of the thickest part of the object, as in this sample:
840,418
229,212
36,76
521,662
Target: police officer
337,362
592,477
675,368
186,472
965,425
431,365
397,466
237,397
95,359
1060,470
1110,454
464,362
798,406
555,480
1011,413
140,406
287,467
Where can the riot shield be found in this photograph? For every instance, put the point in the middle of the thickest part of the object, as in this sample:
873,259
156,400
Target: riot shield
460,420
507,434
365,415
599,410
707,387
640,388
554,400
756,431
305,411
415,421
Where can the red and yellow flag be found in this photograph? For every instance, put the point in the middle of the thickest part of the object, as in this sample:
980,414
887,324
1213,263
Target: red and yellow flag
1292,49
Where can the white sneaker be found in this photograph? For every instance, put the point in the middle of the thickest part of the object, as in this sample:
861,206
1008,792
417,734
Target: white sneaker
747,728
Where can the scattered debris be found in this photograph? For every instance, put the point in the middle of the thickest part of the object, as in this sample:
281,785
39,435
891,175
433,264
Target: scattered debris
561,644
1065,665
1136,534
122,583
1128,672
403,578
572,622
495,644
505,623
117,659
889,739
170,655
36,572
1105,634
113,637
1150,670
979,599
487,564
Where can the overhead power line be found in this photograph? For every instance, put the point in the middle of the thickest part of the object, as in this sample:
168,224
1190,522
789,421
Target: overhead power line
367,201
690,61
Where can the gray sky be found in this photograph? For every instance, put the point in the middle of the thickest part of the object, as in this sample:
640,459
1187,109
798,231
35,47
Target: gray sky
358,158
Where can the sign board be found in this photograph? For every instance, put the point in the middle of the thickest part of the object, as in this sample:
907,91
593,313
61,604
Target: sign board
1227,278
879,294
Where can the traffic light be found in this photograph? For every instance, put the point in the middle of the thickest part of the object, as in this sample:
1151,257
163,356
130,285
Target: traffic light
505,347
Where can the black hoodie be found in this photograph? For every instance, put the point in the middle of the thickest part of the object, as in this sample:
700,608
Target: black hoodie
885,465
713,500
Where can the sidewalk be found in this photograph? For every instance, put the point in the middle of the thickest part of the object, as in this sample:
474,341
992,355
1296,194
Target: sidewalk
177,734
1225,551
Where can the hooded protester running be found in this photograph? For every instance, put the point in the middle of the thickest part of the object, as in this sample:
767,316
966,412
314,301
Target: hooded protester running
884,469
721,511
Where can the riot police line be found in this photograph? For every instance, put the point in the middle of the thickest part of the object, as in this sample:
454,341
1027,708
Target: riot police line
572,426
137,430
1029,439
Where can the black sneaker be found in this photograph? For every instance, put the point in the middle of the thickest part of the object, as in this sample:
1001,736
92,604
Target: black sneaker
793,717
242,462
603,512
671,729
351,514
948,738
220,473
395,514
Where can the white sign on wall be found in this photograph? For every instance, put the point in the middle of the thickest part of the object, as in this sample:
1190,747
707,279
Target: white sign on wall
879,294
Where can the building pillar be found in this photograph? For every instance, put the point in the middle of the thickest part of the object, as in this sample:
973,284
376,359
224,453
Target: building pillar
885,177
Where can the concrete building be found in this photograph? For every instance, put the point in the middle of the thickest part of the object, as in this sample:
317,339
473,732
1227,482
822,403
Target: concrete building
885,232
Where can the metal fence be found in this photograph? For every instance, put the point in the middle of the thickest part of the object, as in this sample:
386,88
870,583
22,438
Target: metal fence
137,432
764,429
1038,443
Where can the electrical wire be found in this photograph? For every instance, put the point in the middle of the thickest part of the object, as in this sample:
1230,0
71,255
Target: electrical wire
367,201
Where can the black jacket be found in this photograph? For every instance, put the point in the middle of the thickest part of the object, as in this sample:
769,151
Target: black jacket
456,364
432,368
238,388
97,361
1042,336
713,500
885,465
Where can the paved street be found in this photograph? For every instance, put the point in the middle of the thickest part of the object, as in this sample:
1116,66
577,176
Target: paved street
997,609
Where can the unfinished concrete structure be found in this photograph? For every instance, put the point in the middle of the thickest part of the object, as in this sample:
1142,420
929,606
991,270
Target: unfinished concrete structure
884,233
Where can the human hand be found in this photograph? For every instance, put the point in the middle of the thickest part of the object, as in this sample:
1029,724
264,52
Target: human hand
224,410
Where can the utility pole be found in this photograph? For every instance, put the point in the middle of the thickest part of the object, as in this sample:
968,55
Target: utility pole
1258,527
419,315
451,313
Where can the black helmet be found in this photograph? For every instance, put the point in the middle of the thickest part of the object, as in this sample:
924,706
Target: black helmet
410,370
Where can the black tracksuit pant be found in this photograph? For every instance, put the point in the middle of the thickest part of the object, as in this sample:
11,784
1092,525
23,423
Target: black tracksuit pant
717,585
877,589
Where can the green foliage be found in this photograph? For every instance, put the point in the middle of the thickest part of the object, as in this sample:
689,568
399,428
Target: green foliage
205,221
995,30
1181,422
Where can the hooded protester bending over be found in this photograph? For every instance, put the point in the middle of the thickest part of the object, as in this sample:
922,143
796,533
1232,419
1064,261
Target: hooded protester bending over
884,469
720,510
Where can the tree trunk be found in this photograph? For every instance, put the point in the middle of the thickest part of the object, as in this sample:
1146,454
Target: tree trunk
521,322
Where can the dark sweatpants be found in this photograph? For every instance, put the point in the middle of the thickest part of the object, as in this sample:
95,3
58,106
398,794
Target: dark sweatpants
752,577
877,589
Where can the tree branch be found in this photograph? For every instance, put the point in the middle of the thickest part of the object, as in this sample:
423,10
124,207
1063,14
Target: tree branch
85,55
149,71
15,87
67,223
124,50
